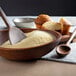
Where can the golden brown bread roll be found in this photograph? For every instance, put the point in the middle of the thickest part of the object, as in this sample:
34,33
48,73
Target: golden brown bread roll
52,26
42,18
66,26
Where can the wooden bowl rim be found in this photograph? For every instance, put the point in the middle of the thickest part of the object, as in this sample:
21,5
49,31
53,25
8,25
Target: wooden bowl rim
55,33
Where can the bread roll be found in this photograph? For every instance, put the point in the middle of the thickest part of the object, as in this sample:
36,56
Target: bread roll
66,26
42,18
52,26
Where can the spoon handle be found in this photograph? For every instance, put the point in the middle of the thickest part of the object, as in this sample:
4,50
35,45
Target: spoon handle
72,36
3,15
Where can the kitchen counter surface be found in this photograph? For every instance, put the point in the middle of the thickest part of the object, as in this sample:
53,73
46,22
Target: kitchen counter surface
36,68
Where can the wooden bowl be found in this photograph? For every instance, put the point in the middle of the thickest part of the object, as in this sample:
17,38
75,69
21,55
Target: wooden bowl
32,52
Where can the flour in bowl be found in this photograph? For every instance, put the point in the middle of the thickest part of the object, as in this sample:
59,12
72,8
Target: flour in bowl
34,38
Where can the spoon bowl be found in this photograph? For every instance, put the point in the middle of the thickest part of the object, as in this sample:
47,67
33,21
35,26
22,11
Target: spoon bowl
64,49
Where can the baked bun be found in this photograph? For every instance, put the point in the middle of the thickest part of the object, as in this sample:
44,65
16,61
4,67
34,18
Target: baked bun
42,18
66,26
52,26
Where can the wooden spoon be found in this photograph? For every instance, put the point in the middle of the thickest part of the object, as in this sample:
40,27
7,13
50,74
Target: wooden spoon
15,34
64,49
